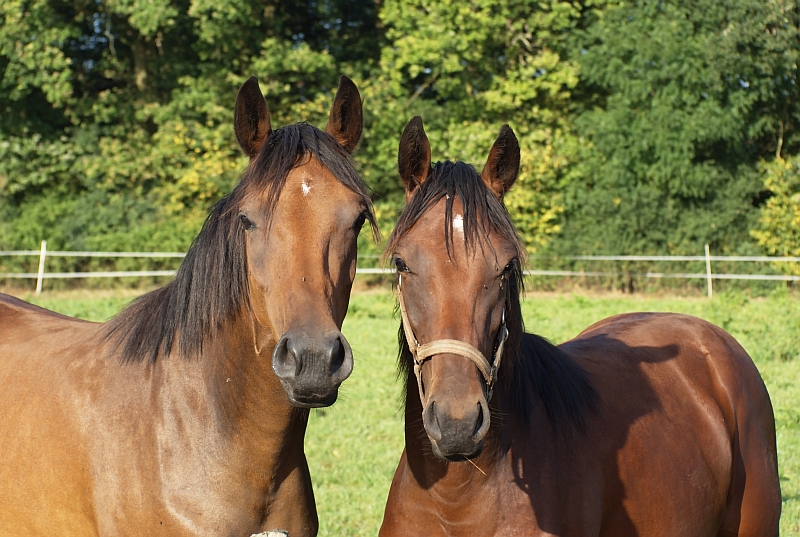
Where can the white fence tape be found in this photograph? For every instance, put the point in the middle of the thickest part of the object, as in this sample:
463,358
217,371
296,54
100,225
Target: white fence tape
43,253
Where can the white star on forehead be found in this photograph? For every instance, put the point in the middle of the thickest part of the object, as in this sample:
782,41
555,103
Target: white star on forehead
306,188
458,223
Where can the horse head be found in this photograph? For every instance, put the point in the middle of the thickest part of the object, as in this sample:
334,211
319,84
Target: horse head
457,256
300,238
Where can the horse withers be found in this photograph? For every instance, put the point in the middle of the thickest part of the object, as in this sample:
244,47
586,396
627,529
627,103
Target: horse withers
645,424
185,414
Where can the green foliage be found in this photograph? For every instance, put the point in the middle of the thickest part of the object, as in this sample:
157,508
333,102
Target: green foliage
115,117
778,231
646,126
30,36
678,105
468,68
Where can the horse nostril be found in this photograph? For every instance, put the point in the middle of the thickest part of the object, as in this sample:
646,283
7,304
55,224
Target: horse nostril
337,356
286,361
482,422
431,421
478,422
341,359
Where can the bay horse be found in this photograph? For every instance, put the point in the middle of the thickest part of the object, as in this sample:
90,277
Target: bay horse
645,424
185,414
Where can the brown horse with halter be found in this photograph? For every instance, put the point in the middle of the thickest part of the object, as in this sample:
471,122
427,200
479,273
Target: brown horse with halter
645,424
185,414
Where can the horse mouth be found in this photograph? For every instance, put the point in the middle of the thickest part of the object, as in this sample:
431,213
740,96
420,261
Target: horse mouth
313,401
456,456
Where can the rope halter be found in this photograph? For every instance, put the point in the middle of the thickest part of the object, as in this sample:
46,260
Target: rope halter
424,352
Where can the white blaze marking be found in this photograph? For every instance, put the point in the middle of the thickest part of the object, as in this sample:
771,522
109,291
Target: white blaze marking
458,223
306,188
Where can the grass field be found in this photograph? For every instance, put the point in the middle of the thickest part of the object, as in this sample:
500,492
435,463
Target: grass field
354,446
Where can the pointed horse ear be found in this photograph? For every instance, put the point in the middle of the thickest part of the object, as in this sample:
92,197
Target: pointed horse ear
251,121
414,156
346,120
502,166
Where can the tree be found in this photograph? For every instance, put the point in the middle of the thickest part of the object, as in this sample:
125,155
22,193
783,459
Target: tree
646,126
467,68
678,103
116,116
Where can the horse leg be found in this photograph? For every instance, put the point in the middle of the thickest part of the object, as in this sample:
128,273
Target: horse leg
753,508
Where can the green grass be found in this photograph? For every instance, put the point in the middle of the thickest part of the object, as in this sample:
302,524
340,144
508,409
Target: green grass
354,446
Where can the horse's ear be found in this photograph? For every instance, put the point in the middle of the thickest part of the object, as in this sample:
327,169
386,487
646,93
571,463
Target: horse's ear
502,166
414,156
251,121
346,119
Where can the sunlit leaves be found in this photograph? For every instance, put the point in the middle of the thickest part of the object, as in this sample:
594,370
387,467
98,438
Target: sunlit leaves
778,231
147,16
469,67
31,39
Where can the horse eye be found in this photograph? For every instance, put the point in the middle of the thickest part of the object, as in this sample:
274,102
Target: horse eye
400,265
247,224
359,223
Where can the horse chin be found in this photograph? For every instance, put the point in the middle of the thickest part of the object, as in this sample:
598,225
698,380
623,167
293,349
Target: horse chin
455,456
313,400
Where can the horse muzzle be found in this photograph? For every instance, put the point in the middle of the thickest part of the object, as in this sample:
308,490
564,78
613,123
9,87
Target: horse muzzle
456,431
312,368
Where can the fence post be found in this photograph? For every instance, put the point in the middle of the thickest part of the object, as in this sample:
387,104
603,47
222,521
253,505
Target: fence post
40,276
708,270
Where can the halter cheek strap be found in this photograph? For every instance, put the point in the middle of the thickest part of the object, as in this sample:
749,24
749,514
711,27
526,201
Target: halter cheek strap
420,353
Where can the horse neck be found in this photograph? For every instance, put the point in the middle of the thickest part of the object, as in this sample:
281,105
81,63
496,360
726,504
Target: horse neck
230,399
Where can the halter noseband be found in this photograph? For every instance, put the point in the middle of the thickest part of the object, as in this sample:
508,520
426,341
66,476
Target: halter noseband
424,352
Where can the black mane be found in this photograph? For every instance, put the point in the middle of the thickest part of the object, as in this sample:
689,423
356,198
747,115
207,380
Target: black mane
533,370
211,286
481,209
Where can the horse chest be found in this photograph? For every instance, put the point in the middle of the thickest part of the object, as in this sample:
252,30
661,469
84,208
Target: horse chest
495,505
218,503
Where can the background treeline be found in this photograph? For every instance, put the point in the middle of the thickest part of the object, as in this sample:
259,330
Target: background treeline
647,126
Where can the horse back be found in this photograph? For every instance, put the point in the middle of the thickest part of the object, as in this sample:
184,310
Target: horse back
683,406
43,473
20,318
